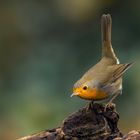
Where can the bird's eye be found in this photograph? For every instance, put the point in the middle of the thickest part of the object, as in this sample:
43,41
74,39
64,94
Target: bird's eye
85,88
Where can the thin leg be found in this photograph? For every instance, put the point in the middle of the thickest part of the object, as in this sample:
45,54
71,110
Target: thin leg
89,106
114,96
112,99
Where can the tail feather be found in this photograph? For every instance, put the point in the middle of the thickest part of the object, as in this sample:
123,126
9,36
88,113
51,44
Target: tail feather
107,50
106,22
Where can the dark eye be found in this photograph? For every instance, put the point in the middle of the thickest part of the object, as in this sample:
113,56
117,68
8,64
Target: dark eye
85,88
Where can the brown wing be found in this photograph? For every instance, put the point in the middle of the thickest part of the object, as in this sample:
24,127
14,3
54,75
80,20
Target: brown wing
119,71
114,78
114,73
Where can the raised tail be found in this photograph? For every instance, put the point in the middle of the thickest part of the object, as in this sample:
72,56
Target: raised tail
107,50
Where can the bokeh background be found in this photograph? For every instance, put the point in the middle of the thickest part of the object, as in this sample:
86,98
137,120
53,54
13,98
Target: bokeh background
46,45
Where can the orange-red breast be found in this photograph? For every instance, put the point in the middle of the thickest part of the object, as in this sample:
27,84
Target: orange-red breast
103,80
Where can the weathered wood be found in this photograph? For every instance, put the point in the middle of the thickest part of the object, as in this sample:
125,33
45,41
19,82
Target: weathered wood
93,122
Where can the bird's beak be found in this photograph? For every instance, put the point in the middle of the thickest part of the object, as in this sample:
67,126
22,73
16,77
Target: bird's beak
73,94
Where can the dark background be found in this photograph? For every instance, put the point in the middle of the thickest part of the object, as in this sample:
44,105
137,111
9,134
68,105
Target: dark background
46,45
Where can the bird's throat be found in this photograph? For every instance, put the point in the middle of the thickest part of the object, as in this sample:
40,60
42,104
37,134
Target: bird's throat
94,94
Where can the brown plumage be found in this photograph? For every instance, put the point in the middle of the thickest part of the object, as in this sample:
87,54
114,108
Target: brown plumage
103,80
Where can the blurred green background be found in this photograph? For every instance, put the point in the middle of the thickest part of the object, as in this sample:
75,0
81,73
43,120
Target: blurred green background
46,45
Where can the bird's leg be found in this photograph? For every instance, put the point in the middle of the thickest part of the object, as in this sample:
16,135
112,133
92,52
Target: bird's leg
90,106
112,99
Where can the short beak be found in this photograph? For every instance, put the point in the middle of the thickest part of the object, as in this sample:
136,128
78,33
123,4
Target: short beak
73,94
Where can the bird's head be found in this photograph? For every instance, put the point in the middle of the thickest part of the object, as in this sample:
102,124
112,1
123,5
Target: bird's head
81,90
88,91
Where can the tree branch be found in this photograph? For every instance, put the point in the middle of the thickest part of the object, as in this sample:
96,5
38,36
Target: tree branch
93,122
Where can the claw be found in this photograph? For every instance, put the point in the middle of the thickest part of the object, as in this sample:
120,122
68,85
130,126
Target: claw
89,106
109,106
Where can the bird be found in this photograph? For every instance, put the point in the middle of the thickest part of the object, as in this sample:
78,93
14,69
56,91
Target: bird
103,80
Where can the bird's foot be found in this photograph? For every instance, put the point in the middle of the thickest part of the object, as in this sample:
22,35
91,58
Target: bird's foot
109,106
89,106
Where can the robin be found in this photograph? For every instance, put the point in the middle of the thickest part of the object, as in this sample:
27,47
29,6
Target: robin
103,80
